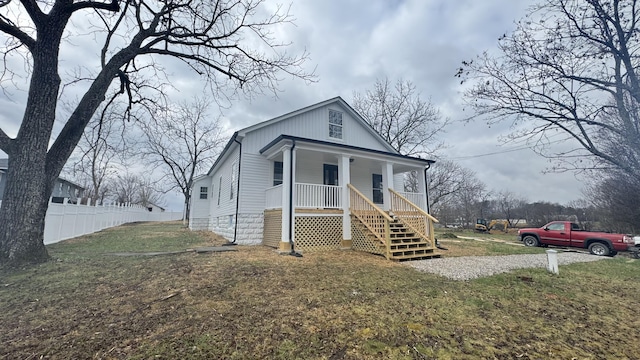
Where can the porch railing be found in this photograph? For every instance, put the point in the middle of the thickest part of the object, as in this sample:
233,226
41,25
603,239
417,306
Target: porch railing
274,197
373,218
412,216
416,198
317,196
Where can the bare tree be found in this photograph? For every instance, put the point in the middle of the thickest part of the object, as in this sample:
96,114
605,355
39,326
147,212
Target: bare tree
229,42
101,152
135,189
617,196
410,124
126,188
149,193
445,179
568,80
183,143
507,202
471,199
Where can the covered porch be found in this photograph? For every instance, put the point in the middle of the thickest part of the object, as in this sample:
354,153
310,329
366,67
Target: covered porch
327,196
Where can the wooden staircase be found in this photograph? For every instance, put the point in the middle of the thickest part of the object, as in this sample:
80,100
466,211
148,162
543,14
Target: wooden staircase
405,233
404,244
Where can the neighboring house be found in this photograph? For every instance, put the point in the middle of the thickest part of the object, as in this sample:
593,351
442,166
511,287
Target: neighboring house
62,189
154,208
316,178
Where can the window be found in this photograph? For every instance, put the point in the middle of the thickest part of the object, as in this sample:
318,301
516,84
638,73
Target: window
219,189
277,173
556,227
377,188
335,124
203,192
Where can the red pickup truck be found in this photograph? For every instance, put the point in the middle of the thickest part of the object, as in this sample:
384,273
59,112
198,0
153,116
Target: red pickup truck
565,233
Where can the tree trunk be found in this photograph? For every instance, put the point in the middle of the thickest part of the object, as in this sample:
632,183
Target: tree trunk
187,208
23,211
30,177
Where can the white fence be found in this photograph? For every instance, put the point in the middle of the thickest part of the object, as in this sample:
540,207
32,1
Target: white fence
65,221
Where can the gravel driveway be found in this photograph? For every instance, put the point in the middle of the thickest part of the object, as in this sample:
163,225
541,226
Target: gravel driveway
472,267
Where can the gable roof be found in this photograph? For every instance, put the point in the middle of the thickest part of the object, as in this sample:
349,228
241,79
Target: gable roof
233,141
335,100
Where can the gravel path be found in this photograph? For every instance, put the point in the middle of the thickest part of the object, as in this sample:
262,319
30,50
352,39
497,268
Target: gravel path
472,267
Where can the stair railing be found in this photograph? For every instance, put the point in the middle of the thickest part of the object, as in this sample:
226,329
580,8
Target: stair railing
371,216
412,216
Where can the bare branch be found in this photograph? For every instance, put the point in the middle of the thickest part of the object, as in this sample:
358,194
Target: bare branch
570,67
401,117
112,6
12,30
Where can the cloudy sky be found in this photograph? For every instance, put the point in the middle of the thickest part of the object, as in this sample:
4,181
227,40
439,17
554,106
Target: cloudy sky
353,42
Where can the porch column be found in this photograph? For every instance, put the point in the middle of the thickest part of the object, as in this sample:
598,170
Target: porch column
387,182
288,179
422,188
344,178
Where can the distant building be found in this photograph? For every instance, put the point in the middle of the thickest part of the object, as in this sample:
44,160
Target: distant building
154,208
62,189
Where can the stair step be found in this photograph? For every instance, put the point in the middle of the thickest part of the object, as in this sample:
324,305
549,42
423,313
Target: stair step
399,231
416,257
410,252
411,246
402,235
407,240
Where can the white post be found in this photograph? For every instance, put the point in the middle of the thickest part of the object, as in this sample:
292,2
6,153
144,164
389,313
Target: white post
387,183
344,176
294,193
552,261
286,190
64,211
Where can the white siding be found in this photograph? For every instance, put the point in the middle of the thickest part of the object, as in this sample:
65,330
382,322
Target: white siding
398,182
309,168
361,179
314,124
226,205
199,217
256,175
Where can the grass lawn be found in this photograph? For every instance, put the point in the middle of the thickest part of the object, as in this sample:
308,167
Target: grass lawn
256,304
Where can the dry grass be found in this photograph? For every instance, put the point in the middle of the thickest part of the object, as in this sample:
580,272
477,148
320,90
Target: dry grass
257,304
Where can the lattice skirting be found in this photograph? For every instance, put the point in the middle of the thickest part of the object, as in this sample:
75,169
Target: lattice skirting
272,232
362,242
317,233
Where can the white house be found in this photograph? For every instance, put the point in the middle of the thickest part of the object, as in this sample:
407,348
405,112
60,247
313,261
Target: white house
62,189
317,178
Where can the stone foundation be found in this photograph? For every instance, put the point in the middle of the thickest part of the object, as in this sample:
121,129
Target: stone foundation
198,224
249,228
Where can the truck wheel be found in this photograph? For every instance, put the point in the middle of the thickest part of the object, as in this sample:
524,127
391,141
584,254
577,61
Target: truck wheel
598,248
530,240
